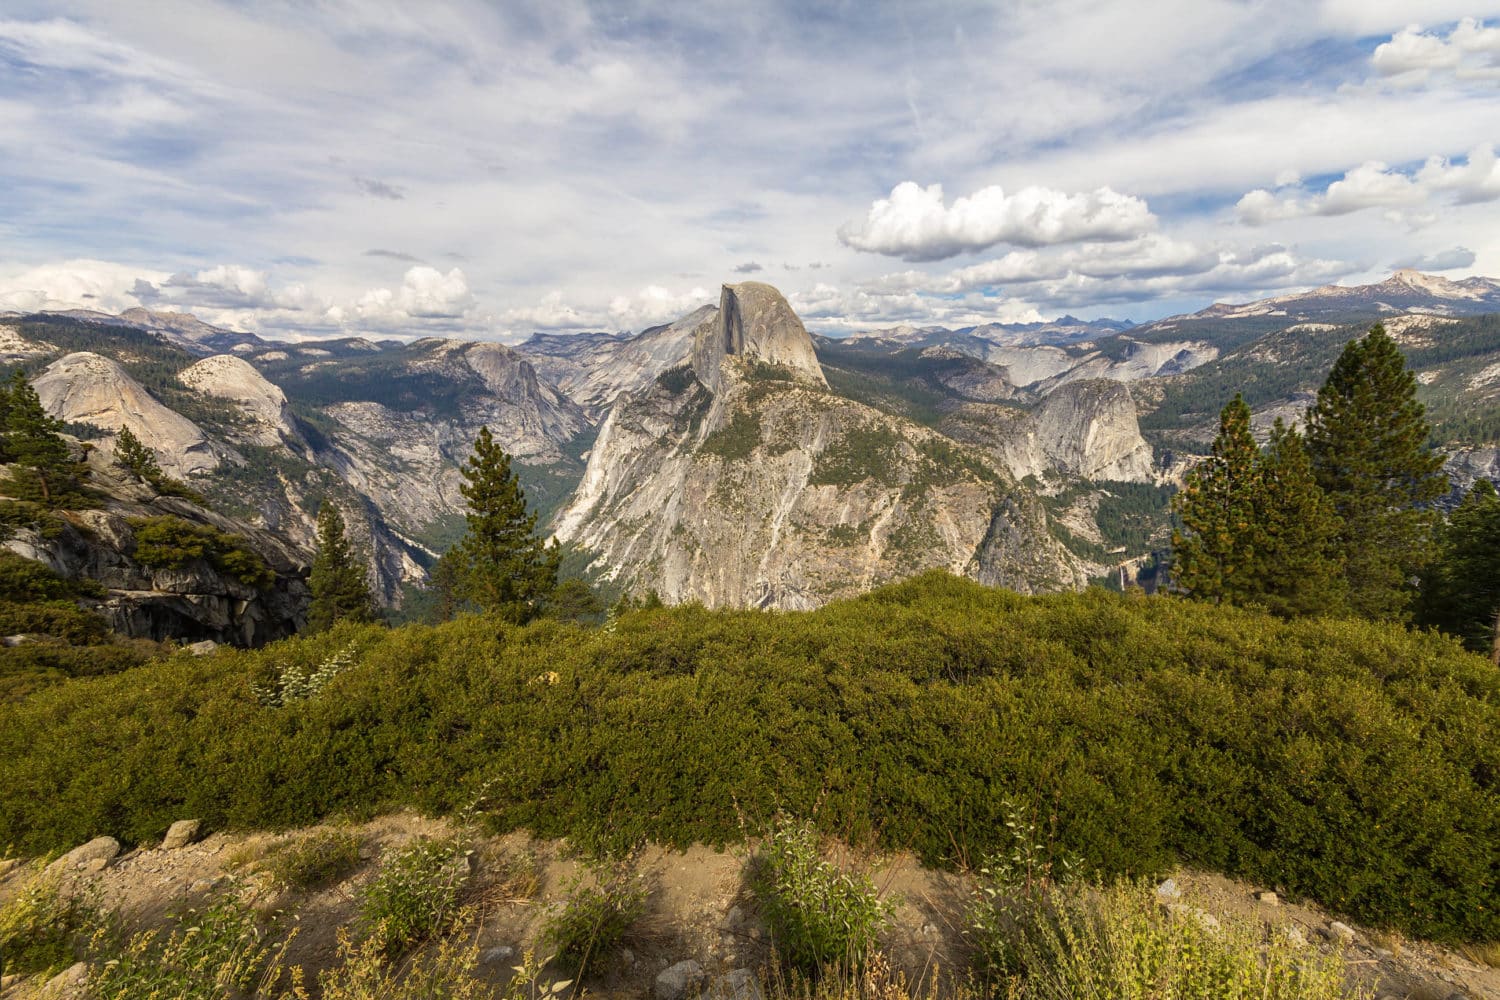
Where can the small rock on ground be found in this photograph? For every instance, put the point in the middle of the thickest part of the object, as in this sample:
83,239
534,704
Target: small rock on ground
180,834
1342,931
1168,890
1268,898
679,981
497,954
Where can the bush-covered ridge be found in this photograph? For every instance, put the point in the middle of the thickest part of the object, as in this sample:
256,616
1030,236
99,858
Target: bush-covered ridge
1356,763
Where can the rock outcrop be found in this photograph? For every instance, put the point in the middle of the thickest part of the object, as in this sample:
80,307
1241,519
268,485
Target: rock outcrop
192,601
87,388
268,416
754,321
1084,430
743,481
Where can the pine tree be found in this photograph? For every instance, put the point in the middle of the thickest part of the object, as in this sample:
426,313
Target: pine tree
1461,590
503,567
1214,553
1368,438
140,461
33,441
1299,568
337,581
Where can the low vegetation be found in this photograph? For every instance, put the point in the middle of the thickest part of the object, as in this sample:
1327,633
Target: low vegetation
314,859
819,914
415,896
41,930
167,541
600,906
1352,762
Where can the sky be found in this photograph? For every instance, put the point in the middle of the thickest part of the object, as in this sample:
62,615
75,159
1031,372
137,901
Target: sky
487,170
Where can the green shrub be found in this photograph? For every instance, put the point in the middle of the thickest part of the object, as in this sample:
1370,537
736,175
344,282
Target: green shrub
415,896
818,913
41,929
168,541
1011,887
314,859
595,916
209,954
1117,941
1354,763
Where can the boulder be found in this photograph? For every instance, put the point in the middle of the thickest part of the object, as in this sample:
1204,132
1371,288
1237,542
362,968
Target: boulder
679,981
180,834
99,849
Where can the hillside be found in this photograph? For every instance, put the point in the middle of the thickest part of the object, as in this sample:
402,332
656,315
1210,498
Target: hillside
1352,763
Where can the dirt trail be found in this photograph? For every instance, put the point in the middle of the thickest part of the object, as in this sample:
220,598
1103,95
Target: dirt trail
699,908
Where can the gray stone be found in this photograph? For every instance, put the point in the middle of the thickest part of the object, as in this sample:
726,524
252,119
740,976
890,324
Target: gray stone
180,834
6,864
1268,898
679,981
203,885
203,648
1294,937
1342,932
497,955
106,848
68,983
93,866
1168,890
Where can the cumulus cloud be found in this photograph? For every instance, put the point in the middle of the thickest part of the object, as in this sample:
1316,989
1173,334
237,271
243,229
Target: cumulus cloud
1470,51
1151,267
425,293
916,225
75,284
650,306
1377,185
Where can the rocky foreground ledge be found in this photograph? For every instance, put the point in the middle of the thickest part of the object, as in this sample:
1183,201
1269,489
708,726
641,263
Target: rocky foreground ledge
702,933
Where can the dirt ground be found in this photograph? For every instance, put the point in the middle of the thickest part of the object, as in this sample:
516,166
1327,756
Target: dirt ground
699,908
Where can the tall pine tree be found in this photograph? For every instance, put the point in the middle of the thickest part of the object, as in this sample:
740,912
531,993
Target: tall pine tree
1214,554
1461,589
502,566
33,442
140,461
337,581
1256,529
1299,568
1368,439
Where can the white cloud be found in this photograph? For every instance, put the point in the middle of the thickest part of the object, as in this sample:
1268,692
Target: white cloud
75,284
1151,267
425,293
914,224
1377,185
1443,260
648,307
1470,51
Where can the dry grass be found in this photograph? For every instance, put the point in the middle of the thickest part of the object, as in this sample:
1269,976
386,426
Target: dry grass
1483,954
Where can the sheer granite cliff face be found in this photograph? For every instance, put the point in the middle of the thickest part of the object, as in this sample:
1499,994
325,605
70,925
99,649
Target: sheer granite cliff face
741,481
1084,430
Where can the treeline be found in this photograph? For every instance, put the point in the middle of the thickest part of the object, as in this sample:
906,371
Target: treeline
1340,520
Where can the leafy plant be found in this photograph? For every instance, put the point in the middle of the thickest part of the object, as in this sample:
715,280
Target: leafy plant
297,681
1117,941
415,896
818,912
597,913
314,859
1011,889
40,927
209,954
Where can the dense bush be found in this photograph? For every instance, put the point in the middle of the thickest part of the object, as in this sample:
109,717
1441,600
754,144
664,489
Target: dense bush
1352,762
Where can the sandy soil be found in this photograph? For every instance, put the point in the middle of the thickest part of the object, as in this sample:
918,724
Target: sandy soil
699,908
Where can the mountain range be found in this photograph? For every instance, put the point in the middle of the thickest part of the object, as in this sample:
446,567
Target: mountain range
734,458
